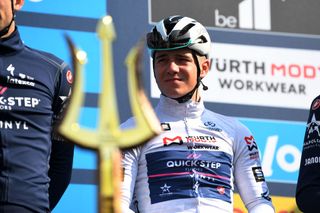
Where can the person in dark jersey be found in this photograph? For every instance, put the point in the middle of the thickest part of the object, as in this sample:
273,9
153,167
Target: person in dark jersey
35,164
308,185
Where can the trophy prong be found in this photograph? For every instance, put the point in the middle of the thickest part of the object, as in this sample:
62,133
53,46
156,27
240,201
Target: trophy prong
147,122
106,29
70,127
109,137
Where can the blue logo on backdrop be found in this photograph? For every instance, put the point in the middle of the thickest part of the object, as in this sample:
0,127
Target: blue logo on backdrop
280,145
88,9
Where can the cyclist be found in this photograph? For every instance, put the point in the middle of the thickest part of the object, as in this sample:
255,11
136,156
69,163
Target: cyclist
35,164
192,165
308,185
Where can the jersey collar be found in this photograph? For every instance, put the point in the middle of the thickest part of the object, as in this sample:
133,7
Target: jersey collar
11,44
174,109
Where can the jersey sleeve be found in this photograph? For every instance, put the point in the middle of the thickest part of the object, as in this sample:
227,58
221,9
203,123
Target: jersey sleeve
61,157
130,170
130,163
248,174
308,185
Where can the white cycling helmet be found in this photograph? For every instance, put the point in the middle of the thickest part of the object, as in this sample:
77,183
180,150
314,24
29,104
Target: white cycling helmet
177,32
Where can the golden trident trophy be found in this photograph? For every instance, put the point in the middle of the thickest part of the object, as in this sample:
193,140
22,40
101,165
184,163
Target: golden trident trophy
108,138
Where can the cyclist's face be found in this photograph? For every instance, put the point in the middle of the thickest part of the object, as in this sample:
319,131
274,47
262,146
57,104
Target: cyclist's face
6,12
176,71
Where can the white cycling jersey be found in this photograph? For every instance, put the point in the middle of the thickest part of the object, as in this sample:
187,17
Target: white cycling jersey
192,165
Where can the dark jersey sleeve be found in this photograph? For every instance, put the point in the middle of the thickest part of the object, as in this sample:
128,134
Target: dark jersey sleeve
308,185
61,158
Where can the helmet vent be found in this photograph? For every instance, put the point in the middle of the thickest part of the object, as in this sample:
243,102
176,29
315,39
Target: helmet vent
170,22
186,29
202,39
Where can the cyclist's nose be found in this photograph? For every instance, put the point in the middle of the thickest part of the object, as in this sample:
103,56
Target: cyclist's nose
173,67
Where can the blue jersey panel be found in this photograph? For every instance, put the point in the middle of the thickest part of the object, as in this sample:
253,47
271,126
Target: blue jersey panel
178,174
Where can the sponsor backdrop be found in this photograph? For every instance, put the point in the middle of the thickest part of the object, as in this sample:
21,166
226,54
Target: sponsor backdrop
265,72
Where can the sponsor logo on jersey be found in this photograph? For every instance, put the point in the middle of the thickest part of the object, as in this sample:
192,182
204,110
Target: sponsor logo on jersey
193,156
178,174
26,102
312,138
165,126
251,143
312,160
69,77
15,125
169,141
258,174
11,69
3,89
19,81
193,142
316,104
22,79
165,189
203,147
313,127
193,163
200,139
196,186
252,147
64,98
211,126
266,195
221,190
